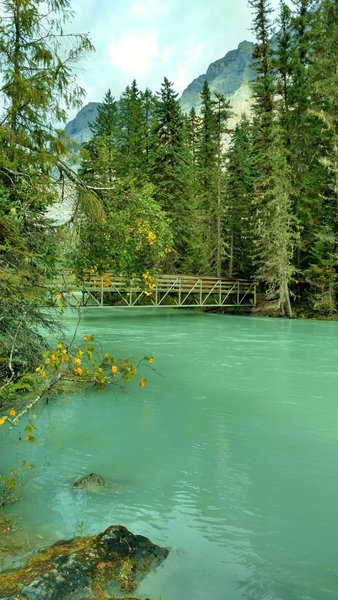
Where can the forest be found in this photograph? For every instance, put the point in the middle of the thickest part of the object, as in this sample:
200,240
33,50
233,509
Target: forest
257,202
162,191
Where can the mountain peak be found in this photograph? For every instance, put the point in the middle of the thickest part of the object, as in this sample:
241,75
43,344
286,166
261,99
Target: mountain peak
230,75
225,75
78,128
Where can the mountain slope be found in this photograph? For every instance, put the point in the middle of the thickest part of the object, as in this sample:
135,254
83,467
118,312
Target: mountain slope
225,75
78,128
230,75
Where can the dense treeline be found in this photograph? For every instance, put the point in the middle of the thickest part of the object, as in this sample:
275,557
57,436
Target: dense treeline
259,201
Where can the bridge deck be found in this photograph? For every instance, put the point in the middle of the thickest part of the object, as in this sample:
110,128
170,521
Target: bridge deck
168,291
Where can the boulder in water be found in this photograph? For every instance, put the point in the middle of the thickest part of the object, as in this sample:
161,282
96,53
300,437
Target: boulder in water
103,565
93,479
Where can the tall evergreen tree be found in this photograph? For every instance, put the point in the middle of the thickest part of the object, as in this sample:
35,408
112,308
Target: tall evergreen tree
133,133
322,269
221,109
302,131
271,185
196,260
37,87
99,155
207,175
170,167
238,202
105,124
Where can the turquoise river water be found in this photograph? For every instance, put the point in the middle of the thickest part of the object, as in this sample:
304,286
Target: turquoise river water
229,456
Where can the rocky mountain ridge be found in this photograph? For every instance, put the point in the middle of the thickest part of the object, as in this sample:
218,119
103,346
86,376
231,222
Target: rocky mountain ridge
230,75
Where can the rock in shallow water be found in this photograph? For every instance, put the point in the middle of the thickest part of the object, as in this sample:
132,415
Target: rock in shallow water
93,479
84,568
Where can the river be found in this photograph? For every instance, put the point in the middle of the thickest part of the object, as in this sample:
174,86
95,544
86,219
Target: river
229,456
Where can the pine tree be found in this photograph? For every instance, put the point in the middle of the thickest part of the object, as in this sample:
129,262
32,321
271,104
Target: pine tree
207,176
303,131
99,155
322,269
133,135
221,110
170,167
38,84
196,259
105,124
271,184
238,200
37,87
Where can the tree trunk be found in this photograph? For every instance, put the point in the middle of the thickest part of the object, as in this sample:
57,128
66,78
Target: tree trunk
231,257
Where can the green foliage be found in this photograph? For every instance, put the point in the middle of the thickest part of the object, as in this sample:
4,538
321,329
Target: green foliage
274,223
239,216
133,238
170,173
11,483
134,115
38,83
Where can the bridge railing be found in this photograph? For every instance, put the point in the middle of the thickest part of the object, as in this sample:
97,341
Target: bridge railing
167,290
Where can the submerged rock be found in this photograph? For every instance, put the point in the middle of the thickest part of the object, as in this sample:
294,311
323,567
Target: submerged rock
93,479
85,567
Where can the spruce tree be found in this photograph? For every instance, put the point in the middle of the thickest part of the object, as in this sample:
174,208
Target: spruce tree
271,185
132,139
238,201
221,109
207,175
322,269
304,139
196,260
99,155
105,122
37,87
170,168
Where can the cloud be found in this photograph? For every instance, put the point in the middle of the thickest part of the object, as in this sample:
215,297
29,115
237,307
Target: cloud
148,9
134,52
150,39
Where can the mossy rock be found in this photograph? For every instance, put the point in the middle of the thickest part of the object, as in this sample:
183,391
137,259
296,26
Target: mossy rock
91,480
105,565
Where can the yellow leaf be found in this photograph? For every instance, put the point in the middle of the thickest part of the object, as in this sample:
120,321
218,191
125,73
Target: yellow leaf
2,420
12,412
143,382
114,369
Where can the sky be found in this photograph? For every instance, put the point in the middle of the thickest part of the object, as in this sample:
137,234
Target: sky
148,40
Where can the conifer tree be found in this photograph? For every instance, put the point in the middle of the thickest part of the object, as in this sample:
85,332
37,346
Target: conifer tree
99,155
322,270
105,124
221,109
238,201
36,89
271,185
303,130
169,167
132,139
196,260
207,175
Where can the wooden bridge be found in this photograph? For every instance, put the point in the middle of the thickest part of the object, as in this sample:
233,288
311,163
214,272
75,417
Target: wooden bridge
163,291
